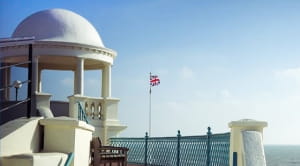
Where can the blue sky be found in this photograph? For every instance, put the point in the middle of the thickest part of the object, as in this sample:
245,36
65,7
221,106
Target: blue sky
218,61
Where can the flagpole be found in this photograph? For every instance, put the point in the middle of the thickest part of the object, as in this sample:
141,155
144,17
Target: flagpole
150,108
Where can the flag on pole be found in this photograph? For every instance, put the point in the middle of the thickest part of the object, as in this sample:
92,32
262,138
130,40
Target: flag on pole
154,80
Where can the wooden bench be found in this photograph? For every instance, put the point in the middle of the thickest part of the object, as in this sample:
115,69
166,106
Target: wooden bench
102,155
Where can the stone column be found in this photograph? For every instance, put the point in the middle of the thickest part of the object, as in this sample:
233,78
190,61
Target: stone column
5,82
34,84
106,81
40,80
35,75
79,77
237,139
75,81
106,93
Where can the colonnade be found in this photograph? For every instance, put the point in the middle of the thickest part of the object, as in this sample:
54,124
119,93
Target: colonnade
78,79
106,127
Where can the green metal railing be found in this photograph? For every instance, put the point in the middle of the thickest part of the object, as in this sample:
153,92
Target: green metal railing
81,114
69,159
206,150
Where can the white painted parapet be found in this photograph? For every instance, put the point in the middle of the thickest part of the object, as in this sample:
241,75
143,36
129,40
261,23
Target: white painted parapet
102,113
64,134
246,133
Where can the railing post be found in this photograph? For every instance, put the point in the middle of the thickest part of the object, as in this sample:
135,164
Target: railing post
79,112
178,148
69,159
234,159
146,148
208,145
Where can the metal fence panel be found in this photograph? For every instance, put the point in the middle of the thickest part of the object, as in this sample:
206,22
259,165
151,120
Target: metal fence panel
193,150
220,144
207,150
162,151
136,146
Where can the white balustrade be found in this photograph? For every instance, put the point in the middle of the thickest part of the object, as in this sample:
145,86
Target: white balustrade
92,106
102,113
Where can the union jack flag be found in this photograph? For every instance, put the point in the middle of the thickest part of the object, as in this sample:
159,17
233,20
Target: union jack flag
154,80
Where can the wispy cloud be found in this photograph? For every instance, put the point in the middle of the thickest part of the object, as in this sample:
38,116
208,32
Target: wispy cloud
186,73
92,82
162,71
290,73
225,93
175,106
67,81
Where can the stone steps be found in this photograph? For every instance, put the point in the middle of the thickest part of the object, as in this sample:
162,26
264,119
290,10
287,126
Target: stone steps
36,159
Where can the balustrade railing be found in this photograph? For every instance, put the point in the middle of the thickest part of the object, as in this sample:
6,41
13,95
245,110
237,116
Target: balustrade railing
92,107
95,108
206,150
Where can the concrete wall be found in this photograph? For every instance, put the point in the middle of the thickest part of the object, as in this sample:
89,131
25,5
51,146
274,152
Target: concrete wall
63,134
21,139
20,136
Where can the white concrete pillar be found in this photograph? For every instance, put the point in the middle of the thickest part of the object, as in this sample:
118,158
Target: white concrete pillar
236,137
79,77
104,133
75,82
106,81
40,80
35,75
106,92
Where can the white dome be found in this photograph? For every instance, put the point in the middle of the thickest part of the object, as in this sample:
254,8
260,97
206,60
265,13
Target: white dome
59,25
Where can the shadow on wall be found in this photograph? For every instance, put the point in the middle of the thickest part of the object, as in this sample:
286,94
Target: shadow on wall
58,108
14,113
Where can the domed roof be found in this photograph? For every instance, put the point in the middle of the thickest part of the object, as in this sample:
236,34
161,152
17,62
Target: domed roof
59,25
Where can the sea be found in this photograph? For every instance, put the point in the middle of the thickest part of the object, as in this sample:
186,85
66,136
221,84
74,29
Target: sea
282,155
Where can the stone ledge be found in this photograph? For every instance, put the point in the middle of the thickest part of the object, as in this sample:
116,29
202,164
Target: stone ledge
248,123
67,122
